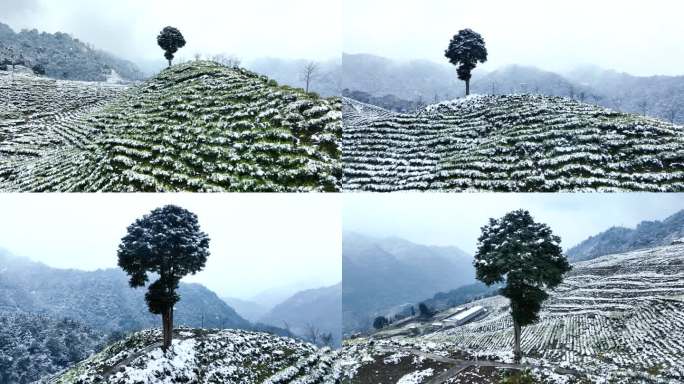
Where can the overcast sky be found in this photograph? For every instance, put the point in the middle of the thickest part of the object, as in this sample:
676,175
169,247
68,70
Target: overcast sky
456,219
258,241
635,36
307,29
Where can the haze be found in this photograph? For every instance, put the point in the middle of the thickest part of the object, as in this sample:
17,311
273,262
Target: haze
307,29
456,219
641,38
258,241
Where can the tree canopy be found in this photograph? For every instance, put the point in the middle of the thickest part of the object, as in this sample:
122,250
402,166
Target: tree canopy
170,40
465,50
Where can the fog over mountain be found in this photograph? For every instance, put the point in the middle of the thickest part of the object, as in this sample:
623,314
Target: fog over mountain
554,36
256,243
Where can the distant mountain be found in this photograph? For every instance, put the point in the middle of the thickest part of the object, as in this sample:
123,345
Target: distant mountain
527,79
320,308
409,80
326,80
403,86
647,234
657,96
383,273
102,299
61,56
248,309
460,295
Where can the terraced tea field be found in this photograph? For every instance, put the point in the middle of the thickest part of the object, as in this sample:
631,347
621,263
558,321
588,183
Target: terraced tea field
194,127
509,143
617,319
204,356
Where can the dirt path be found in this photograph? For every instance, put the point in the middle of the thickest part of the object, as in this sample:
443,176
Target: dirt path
460,365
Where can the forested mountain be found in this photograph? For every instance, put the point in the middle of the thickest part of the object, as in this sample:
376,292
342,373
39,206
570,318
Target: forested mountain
310,310
647,234
418,80
383,273
32,346
102,299
61,56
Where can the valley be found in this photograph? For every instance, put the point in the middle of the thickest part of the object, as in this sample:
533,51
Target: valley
616,317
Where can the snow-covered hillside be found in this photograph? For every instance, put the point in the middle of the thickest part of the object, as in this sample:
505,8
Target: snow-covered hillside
194,127
509,143
204,356
617,317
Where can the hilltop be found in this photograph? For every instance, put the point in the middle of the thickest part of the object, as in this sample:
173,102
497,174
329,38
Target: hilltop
617,317
509,143
198,126
204,356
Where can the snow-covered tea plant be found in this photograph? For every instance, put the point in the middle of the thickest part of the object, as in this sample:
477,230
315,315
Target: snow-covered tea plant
509,143
204,356
615,319
194,127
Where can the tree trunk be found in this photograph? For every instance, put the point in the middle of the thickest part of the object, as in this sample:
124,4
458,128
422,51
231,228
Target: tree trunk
169,63
517,355
165,330
467,87
167,323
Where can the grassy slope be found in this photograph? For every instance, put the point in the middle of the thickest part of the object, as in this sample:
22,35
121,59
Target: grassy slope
510,143
203,356
194,127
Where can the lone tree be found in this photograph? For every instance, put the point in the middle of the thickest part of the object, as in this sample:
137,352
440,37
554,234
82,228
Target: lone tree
167,242
466,49
526,256
170,40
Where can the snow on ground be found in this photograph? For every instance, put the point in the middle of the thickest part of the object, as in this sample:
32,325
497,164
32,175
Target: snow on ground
617,318
416,377
509,143
205,356
194,127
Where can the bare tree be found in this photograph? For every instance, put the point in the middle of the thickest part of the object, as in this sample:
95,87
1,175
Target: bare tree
230,61
309,73
312,333
197,56
326,339
672,110
643,106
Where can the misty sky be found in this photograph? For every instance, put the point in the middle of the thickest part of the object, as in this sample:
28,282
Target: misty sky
634,36
258,241
292,29
456,219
